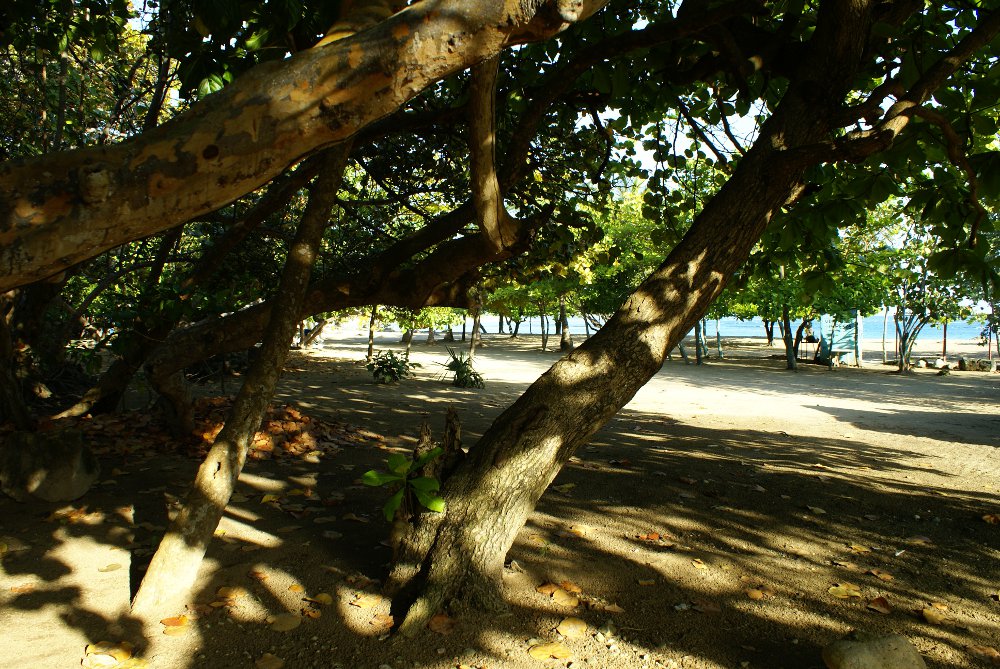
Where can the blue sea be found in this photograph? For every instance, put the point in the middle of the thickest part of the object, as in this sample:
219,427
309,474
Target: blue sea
733,327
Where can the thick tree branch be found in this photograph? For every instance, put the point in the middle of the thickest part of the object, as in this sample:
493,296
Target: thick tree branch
495,222
60,209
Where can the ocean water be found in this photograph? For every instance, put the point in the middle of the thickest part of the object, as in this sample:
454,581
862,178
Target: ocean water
733,327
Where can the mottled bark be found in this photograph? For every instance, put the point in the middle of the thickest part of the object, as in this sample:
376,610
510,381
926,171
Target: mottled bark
62,208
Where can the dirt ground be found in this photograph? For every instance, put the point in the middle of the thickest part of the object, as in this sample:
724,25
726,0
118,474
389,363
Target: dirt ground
703,527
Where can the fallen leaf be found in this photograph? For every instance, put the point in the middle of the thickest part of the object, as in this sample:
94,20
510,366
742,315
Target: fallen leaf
99,662
23,589
879,574
268,499
175,631
367,601
295,587
231,592
986,653
554,649
570,586
114,566
699,564
564,488
563,598
933,616
845,591
858,548
572,628
646,581
382,622
310,612
258,575
613,608
919,540
992,519
755,594
441,623
119,651
880,604
285,622
175,621
547,588
939,606
324,598
269,661
816,510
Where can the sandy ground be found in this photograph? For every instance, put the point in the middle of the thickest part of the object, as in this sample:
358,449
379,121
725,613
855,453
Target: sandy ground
715,511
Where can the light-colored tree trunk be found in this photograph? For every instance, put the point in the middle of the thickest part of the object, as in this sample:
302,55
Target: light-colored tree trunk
174,566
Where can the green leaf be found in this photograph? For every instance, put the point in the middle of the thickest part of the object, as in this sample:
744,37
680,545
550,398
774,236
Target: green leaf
210,84
393,505
430,502
399,463
425,484
377,478
427,457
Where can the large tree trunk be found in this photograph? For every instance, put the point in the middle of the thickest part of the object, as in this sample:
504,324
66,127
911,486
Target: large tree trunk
175,564
491,494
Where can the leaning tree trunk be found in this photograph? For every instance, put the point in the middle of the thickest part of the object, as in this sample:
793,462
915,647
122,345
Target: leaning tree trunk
175,565
491,494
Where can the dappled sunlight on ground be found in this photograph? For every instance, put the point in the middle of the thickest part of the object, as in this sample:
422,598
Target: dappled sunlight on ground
751,479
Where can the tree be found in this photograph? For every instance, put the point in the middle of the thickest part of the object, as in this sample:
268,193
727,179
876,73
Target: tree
817,76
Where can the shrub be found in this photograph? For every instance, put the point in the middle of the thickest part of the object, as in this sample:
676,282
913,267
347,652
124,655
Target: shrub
465,375
388,367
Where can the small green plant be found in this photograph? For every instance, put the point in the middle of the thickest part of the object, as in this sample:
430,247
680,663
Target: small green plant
388,367
465,375
402,478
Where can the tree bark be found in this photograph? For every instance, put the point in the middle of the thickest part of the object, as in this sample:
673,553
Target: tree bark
371,334
565,337
175,563
698,356
12,406
786,335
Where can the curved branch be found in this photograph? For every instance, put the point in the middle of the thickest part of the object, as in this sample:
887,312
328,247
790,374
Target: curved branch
62,208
